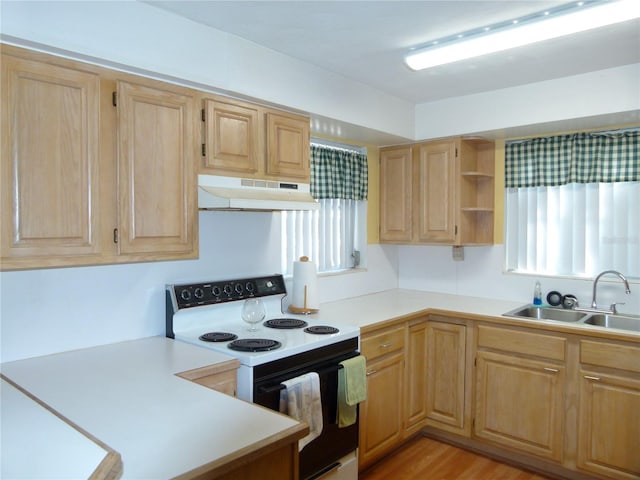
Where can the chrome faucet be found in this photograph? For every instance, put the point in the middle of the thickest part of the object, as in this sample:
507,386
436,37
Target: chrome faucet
595,285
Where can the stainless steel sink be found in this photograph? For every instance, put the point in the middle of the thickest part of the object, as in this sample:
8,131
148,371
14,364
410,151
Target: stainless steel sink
622,322
546,313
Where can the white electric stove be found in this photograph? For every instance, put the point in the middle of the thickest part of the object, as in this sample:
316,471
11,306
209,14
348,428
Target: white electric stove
208,314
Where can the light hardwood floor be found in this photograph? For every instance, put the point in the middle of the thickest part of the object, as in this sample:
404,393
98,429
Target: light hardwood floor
424,458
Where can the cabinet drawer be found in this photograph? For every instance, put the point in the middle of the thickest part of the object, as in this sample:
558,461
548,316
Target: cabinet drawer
377,344
526,343
613,355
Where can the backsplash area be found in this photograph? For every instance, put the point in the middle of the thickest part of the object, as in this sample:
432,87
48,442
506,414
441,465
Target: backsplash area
480,274
53,310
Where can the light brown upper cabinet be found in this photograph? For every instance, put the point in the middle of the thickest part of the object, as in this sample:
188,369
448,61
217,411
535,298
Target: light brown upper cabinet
85,181
157,149
251,141
288,148
438,193
50,162
232,137
395,195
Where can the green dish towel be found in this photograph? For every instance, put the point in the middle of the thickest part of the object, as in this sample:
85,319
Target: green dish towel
352,389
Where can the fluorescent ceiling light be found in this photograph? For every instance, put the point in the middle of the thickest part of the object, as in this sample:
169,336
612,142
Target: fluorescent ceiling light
565,20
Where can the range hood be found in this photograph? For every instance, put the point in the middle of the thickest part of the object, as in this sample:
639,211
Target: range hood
231,193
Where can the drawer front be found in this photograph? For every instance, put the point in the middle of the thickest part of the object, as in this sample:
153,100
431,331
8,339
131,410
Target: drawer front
380,343
224,382
526,343
613,355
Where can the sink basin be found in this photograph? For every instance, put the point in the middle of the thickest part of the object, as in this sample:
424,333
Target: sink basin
614,321
546,313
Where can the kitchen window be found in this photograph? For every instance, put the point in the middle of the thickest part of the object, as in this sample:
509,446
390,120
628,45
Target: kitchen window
334,236
571,204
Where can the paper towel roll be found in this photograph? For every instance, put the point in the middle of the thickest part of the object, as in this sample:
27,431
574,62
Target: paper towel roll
305,298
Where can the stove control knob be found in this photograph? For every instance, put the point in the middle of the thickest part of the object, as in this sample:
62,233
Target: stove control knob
185,295
269,284
216,291
249,287
228,289
198,293
239,288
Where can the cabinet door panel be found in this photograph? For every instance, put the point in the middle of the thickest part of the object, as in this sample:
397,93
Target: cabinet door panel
436,193
446,346
416,373
395,195
519,403
381,413
609,425
288,147
232,139
157,185
50,118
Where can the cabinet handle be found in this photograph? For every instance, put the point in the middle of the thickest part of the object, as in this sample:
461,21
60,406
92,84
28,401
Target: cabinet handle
386,345
549,369
371,372
589,377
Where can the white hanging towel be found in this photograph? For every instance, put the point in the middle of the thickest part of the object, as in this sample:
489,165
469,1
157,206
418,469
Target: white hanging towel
301,400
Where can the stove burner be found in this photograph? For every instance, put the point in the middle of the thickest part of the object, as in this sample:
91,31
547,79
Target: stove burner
321,329
254,345
285,323
218,337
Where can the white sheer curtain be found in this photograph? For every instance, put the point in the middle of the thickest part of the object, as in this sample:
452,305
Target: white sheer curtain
573,230
328,236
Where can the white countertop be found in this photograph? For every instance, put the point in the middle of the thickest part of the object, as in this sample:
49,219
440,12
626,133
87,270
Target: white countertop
127,396
28,432
370,311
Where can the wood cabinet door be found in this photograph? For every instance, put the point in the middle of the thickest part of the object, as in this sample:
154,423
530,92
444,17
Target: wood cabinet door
232,139
381,413
609,425
520,403
434,198
446,354
50,155
288,147
157,151
416,378
395,195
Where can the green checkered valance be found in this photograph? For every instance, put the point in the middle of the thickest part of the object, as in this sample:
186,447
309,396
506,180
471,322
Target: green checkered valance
338,173
591,157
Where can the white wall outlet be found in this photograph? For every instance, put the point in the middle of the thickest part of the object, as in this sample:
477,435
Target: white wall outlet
457,254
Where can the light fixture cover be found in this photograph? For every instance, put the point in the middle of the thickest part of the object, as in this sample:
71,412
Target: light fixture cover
576,18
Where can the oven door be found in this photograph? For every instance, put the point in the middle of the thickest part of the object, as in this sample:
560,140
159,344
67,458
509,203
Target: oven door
324,452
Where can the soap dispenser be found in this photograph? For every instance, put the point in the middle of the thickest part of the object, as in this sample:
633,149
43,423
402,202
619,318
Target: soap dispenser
537,295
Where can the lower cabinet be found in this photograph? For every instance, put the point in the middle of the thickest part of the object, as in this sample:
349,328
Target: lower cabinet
416,377
381,415
520,390
520,404
609,410
446,376
221,376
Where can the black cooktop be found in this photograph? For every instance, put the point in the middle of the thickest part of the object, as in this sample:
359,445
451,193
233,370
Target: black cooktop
254,345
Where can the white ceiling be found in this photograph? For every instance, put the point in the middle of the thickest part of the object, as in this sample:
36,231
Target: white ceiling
367,40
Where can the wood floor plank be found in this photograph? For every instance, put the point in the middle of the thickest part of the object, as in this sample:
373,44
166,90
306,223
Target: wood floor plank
424,458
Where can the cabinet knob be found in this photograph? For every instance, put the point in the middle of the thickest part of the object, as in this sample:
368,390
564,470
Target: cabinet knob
386,345
549,369
589,377
371,372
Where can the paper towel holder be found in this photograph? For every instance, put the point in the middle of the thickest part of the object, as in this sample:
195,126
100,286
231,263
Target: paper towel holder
304,309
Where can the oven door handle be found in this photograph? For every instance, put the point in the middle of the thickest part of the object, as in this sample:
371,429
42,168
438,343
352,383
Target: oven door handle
275,388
